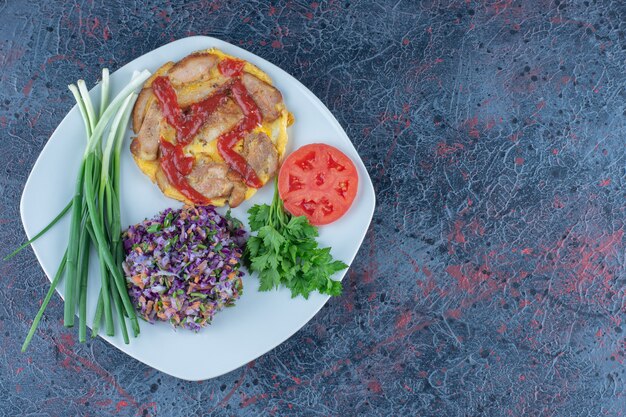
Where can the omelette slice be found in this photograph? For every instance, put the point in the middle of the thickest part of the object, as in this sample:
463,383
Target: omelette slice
210,129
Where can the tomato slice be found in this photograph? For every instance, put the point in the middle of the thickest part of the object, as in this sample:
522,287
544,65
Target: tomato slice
318,181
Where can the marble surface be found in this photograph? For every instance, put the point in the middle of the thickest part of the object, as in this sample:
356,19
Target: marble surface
491,282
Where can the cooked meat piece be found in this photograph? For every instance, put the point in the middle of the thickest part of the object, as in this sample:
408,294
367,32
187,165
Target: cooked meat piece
139,111
146,144
145,96
264,95
221,121
261,154
193,67
238,194
197,91
209,178
216,180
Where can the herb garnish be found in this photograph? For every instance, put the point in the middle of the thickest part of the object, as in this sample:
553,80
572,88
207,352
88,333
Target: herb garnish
285,251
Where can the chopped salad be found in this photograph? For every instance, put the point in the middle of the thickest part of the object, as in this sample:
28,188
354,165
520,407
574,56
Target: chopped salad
183,266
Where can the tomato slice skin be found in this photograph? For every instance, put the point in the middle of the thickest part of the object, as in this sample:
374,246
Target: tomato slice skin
318,181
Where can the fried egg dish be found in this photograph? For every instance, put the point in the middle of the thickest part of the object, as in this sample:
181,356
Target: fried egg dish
210,129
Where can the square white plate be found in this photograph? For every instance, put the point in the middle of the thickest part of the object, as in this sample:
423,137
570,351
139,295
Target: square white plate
260,321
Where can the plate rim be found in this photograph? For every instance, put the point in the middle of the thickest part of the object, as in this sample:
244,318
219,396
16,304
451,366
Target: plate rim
368,183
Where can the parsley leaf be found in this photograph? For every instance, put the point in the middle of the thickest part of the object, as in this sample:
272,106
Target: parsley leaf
300,228
253,246
285,252
258,216
261,262
271,238
270,279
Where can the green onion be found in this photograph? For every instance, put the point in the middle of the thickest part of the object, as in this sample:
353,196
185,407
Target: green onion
94,140
104,91
119,308
41,233
105,295
95,327
83,272
95,219
72,249
91,114
44,304
81,107
97,318
103,248
109,203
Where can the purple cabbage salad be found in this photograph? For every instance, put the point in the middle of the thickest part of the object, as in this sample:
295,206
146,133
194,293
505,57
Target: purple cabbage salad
183,266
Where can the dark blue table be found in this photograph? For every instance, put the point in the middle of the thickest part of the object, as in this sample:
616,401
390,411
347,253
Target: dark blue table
491,281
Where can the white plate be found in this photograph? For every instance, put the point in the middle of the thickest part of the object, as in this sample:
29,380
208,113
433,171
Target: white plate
260,321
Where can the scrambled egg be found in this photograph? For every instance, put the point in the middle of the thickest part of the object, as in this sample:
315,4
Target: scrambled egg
276,130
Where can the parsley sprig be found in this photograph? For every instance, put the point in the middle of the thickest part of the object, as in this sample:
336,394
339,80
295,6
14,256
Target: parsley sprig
285,252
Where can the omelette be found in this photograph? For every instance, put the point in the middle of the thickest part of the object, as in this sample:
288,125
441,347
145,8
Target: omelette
210,129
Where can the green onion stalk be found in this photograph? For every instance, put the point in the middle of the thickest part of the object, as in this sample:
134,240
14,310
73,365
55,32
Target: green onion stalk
95,216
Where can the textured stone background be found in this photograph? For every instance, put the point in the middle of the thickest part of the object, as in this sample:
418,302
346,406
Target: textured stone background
491,281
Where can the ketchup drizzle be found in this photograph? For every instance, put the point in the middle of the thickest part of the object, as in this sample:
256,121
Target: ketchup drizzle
225,143
175,166
186,125
230,67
